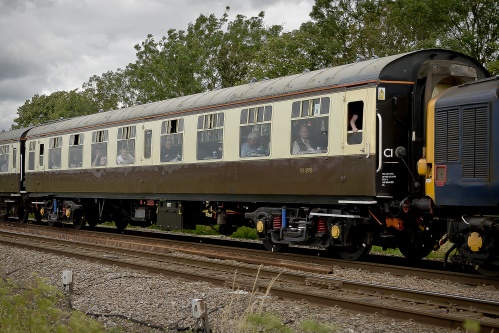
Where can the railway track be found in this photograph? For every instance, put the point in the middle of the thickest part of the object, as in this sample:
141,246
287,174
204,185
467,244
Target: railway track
158,256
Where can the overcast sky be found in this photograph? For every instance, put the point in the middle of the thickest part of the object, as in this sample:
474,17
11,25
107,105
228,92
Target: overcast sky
54,45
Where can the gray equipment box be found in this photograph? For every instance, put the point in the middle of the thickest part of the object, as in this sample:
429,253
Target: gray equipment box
170,216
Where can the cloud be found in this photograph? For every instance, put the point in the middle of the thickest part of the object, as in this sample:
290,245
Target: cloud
53,45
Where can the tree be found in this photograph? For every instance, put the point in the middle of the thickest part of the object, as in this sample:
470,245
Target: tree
474,30
60,104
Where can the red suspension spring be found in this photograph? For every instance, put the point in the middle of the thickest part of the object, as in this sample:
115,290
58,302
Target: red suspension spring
321,225
277,222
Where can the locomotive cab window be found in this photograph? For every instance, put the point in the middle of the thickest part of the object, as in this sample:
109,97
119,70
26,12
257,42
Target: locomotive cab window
55,145
75,157
254,138
309,126
210,136
126,145
172,137
4,158
99,148
355,122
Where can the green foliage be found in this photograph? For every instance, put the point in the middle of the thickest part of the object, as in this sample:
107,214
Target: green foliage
471,326
60,104
36,308
265,322
245,233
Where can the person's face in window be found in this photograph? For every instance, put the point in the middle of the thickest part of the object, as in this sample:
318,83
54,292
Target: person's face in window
303,133
168,144
251,142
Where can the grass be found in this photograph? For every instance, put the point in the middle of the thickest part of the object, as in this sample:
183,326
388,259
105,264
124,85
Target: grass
37,307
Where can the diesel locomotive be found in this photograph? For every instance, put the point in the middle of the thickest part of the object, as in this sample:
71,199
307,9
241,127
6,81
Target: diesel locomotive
395,151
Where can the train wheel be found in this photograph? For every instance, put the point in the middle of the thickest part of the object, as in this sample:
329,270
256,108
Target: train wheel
418,248
121,224
354,252
23,214
78,220
226,229
486,270
273,247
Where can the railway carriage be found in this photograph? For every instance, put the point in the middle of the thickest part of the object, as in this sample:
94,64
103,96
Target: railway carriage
12,193
337,158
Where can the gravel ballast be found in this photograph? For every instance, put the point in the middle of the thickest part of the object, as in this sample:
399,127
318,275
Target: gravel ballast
166,302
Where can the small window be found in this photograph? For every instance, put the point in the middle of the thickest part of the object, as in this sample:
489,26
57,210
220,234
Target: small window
55,145
75,158
126,145
147,143
31,161
42,148
254,135
4,158
14,157
210,136
309,126
99,148
355,122
172,138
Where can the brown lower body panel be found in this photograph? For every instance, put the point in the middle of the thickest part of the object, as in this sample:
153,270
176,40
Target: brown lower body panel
345,176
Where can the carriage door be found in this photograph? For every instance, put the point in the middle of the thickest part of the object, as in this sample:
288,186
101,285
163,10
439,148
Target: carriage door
356,152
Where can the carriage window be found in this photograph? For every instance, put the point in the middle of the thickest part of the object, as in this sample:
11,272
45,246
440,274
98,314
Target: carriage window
75,151
354,122
42,148
147,143
14,157
31,162
99,148
126,145
309,126
4,158
171,140
254,132
210,136
55,145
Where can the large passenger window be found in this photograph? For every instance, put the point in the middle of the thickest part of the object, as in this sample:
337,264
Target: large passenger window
99,148
4,158
75,158
254,137
309,126
55,145
172,138
355,122
126,145
210,136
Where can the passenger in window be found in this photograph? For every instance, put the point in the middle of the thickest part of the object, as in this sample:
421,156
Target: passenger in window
75,161
355,137
170,153
250,147
352,123
125,157
53,163
302,144
4,166
100,158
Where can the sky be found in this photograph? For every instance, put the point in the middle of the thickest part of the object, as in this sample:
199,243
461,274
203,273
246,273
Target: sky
55,45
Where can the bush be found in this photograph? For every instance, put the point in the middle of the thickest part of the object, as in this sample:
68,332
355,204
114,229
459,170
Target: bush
36,307
245,233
